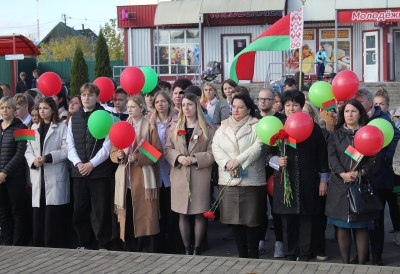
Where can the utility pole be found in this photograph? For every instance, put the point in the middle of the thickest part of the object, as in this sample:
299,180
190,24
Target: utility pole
37,15
64,18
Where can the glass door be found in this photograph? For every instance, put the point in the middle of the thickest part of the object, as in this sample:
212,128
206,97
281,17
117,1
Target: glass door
232,46
370,56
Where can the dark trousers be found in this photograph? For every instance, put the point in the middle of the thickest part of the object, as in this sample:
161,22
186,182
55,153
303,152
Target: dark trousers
13,210
320,71
246,239
85,191
277,221
394,210
170,236
48,224
296,236
318,243
377,235
140,244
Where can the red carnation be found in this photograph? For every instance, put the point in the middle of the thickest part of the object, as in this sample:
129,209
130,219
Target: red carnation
273,140
181,132
209,215
282,134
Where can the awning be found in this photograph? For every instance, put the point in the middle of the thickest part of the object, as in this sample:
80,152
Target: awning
366,4
22,45
187,12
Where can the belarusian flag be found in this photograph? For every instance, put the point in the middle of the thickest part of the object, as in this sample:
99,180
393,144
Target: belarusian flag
291,142
285,34
353,153
147,149
329,105
24,134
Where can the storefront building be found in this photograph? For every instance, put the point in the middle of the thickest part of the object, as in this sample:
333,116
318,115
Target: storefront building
183,37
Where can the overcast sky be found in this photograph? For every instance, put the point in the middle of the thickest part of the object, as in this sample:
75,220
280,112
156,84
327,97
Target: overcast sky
19,16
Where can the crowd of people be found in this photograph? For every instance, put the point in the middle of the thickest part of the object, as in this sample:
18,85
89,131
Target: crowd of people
67,189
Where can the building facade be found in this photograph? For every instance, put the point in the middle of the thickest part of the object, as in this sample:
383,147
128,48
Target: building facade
185,37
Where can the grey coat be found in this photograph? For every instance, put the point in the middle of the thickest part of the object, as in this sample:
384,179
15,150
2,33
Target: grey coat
222,111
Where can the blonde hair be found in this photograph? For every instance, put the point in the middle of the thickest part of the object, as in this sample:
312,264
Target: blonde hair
20,99
155,115
199,113
382,93
91,88
203,97
139,100
8,100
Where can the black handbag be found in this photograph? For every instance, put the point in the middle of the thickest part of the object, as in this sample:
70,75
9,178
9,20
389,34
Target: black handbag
361,197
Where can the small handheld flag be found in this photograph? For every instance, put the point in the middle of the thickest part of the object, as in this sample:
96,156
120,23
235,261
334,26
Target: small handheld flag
329,105
147,149
291,142
24,134
353,153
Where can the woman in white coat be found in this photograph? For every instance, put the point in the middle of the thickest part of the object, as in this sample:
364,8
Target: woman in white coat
47,159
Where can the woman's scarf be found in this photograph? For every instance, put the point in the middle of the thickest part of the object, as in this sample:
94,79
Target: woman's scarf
236,125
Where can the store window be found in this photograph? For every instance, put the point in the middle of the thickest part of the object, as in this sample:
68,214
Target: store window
326,39
308,51
178,51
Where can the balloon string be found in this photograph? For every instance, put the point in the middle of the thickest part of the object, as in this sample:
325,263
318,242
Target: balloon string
90,158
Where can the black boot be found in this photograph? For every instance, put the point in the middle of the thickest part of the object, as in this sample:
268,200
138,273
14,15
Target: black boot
188,250
197,251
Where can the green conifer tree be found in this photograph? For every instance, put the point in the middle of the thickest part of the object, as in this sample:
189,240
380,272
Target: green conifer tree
102,67
79,72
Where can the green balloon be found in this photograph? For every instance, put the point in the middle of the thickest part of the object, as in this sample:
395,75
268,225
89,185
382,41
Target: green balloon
150,79
267,127
115,119
320,92
100,123
386,128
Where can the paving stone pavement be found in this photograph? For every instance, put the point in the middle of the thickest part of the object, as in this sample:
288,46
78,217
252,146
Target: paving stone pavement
46,260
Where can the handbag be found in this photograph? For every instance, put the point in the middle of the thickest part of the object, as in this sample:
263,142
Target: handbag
361,197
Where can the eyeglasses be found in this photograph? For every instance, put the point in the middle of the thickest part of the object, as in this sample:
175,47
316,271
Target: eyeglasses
265,99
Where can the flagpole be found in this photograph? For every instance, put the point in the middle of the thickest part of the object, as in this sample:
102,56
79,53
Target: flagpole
301,56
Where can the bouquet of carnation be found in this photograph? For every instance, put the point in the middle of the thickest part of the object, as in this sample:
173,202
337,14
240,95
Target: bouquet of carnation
280,140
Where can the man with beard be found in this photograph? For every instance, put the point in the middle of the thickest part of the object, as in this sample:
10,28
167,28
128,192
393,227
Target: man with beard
266,99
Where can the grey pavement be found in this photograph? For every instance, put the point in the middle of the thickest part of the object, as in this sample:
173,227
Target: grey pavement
44,260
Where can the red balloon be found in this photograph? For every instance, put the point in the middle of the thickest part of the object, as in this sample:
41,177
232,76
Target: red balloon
132,80
270,185
345,85
49,83
369,140
106,87
122,134
299,126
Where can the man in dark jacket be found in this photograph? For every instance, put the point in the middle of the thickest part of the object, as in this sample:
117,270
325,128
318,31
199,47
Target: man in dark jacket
91,172
24,84
384,177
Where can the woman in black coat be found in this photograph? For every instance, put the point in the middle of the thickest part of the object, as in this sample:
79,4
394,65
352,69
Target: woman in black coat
351,118
12,176
307,166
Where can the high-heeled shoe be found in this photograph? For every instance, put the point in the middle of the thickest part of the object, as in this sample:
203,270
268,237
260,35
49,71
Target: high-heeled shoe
197,251
188,250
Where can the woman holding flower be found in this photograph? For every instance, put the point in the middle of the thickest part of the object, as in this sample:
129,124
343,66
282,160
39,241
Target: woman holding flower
188,150
237,151
303,165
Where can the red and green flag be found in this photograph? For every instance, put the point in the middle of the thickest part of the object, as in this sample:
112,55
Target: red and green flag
329,105
151,152
353,153
291,142
24,134
285,34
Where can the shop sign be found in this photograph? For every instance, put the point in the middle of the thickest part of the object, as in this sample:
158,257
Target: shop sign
246,14
350,16
327,34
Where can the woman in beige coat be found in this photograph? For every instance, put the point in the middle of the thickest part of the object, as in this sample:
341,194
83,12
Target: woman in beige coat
188,150
136,186
237,151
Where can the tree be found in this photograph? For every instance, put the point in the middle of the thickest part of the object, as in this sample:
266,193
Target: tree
79,72
114,40
102,67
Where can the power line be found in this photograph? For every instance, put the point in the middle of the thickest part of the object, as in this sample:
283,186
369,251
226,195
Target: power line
29,25
87,20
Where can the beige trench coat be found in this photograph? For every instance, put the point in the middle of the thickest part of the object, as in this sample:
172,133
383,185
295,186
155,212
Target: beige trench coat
145,212
200,174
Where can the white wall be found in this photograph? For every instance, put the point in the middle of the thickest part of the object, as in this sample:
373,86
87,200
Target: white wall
315,10
212,48
141,47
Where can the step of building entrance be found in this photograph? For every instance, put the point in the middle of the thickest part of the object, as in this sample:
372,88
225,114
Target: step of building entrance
50,260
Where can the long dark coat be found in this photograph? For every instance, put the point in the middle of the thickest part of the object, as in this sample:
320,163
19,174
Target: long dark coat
336,202
304,165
